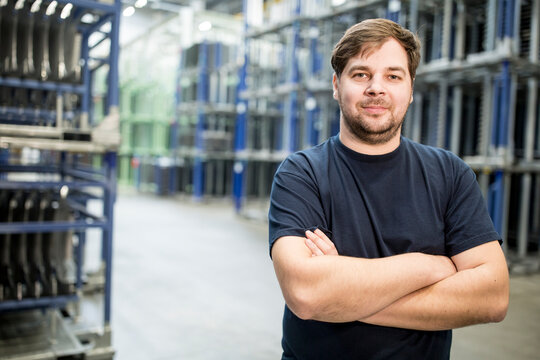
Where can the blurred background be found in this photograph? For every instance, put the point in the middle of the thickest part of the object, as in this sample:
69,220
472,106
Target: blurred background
138,141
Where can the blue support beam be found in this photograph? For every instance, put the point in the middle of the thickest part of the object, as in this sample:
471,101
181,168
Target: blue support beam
108,213
86,76
393,10
202,99
53,226
44,302
42,85
294,80
240,165
112,94
312,108
496,203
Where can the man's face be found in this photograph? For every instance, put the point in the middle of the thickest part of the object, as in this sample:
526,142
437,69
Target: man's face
374,92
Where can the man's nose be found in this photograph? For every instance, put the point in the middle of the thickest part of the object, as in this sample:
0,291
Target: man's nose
375,86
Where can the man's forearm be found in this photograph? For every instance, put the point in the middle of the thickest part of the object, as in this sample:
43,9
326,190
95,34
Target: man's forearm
471,296
341,289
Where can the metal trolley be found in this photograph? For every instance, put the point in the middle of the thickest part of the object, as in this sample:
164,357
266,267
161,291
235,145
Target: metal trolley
55,162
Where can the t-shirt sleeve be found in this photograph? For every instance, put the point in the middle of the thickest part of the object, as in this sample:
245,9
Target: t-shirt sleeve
467,222
295,204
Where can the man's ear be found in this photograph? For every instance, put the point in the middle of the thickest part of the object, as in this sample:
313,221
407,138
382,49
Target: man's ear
335,80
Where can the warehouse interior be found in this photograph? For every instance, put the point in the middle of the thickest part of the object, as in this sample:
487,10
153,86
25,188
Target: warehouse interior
138,143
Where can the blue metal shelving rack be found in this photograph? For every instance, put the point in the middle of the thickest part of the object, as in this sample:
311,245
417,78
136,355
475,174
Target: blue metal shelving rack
70,163
478,57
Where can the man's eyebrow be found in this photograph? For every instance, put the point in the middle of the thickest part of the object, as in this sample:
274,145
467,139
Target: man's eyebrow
397,68
357,68
364,67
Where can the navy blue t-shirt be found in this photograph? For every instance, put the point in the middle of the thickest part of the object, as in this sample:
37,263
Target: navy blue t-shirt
414,199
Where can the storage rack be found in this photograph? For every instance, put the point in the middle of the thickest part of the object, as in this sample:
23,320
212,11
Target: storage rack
476,93
203,132
55,161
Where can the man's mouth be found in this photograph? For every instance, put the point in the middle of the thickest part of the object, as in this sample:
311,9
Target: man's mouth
374,109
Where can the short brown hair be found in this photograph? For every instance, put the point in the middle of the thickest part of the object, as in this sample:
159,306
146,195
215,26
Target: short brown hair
371,34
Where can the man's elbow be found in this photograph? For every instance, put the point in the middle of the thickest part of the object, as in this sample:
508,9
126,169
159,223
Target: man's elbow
302,303
499,309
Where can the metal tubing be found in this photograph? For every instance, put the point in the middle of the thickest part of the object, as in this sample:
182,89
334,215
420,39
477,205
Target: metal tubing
112,93
291,119
86,76
497,202
459,46
523,220
436,35
108,212
56,226
417,117
457,106
505,209
41,85
446,29
44,302
491,25
46,185
442,113
534,41
486,116
202,99
239,168
504,114
530,125
413,16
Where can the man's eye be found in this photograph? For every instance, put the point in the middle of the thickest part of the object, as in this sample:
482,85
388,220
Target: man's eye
394,77
360,75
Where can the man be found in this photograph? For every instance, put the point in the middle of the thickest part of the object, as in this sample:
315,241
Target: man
380,245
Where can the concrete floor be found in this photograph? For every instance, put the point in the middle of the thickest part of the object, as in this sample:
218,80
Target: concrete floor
194,281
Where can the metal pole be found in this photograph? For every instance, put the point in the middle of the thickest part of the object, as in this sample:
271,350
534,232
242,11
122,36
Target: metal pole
240,165
413,16
491,25
459,46
446,29
202,98
457,106
443,110
109,200
417,117
486,116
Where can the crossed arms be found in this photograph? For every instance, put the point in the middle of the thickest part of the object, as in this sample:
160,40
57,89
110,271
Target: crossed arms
413,290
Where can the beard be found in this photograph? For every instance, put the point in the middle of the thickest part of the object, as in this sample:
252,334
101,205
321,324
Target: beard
367,130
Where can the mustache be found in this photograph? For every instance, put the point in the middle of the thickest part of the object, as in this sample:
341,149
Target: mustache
376,102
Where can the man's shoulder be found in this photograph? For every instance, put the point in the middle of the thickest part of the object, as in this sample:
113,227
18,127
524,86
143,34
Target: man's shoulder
428,153
309,159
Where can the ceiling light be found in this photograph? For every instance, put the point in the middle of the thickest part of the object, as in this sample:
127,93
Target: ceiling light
338,2
140,3
130,10
205,26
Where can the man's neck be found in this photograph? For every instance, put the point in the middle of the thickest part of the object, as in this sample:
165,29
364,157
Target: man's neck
353,143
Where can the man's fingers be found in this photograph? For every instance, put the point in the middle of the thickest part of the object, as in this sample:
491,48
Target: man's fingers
326,247
315,251
324,238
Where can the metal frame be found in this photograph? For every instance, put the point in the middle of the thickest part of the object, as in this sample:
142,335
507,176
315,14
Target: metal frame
71,172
